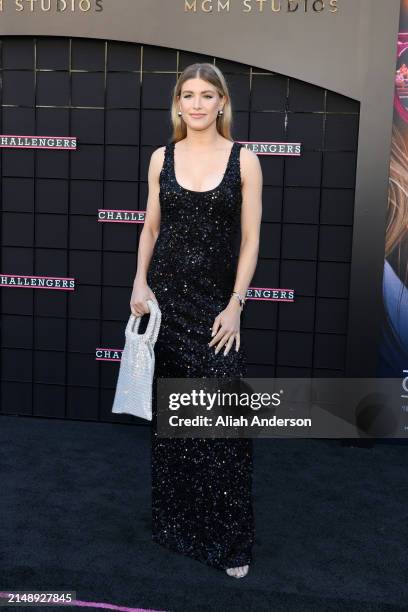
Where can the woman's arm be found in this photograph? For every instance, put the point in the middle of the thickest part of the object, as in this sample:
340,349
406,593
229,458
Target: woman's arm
151,226
251,214
148,236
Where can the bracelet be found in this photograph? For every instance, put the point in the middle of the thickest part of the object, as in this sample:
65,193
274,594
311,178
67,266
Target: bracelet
239,298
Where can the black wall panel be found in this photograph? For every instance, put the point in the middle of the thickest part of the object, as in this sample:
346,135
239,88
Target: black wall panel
115,98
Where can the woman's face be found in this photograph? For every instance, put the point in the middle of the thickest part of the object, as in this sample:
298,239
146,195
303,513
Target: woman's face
199,103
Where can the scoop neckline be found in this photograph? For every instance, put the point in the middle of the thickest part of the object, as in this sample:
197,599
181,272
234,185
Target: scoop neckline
207,190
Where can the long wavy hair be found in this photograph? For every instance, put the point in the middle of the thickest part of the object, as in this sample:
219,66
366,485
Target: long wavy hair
212,74
396,237
397,217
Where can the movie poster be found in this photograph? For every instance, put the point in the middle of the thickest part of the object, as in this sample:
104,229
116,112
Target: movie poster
394,338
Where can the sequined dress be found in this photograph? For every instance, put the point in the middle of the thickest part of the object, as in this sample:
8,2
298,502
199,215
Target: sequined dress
201,487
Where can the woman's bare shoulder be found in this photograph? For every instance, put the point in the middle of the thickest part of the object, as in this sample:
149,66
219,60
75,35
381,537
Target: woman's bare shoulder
251,170
157,160
248,154
249,159
158,154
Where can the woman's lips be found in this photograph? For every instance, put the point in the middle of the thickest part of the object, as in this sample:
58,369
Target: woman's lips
197,116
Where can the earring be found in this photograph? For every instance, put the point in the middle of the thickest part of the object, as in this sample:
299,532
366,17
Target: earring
220,112
179,113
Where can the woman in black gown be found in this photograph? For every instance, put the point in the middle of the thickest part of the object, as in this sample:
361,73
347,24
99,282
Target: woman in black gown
201,488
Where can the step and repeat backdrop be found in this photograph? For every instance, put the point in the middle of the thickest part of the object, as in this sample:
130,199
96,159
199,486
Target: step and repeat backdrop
80,119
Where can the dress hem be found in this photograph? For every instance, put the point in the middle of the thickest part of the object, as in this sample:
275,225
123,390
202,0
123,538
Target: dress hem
197,557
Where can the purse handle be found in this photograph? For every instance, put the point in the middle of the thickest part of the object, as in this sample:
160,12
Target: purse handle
153,326
152,329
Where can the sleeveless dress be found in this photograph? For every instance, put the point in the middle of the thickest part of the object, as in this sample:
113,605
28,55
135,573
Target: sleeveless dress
201,487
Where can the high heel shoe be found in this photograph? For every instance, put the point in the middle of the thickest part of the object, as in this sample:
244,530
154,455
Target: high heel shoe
243,571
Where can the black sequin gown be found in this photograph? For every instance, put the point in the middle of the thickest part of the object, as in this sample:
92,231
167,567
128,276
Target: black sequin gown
201,487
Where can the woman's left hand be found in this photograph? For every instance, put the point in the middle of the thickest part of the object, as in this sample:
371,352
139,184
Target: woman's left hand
226,327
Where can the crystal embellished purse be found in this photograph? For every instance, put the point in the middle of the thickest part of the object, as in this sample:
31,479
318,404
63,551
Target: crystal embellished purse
133,393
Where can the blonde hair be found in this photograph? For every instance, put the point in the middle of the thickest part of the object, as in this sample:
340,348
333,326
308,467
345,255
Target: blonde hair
396,235
397,218
212,74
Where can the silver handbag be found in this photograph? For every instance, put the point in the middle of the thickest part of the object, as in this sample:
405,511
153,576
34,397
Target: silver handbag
133,393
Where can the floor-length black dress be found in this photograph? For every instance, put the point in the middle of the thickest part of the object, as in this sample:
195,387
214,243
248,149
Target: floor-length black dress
201,487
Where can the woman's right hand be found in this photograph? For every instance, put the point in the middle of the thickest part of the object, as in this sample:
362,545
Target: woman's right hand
138,301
